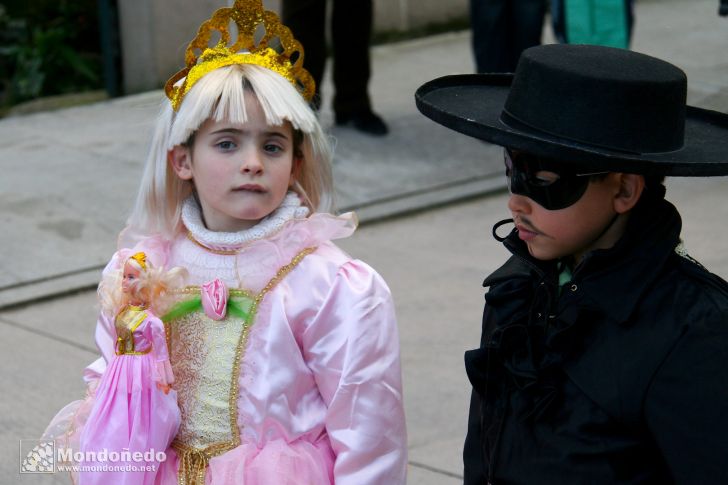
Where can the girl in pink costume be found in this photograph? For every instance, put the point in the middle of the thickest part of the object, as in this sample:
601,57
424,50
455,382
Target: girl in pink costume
284,348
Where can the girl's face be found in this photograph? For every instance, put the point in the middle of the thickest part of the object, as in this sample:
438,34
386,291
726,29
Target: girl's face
130,278
241,172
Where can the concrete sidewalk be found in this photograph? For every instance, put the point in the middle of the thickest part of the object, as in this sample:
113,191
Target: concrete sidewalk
69,178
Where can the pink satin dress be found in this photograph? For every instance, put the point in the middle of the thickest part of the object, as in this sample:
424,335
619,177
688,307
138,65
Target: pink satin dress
305,388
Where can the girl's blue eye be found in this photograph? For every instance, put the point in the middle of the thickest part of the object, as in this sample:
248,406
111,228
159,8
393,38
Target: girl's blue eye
270,148
226,145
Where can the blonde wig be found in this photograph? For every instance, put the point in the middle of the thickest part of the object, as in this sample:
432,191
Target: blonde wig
220,95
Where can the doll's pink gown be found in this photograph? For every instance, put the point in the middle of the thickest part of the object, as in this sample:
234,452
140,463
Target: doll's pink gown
128,413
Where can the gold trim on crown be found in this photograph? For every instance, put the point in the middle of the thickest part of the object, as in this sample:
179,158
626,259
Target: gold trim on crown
248,15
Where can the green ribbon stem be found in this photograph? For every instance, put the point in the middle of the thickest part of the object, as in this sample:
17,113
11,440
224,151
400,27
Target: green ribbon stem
194,304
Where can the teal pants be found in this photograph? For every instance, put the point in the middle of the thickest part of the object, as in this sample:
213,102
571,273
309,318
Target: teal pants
599,22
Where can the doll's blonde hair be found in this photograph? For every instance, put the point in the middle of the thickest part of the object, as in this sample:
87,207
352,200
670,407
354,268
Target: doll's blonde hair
155,287
220,95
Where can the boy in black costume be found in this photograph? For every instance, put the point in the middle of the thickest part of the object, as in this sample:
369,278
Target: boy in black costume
604,354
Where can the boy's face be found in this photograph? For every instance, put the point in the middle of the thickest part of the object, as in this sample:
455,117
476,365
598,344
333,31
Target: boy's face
580,214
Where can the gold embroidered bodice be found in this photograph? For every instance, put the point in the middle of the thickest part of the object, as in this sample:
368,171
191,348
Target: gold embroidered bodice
205,355
126,322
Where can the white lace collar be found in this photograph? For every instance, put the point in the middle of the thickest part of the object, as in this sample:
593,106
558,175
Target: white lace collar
289,209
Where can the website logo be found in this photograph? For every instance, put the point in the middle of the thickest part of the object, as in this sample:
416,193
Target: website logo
37,456
44,456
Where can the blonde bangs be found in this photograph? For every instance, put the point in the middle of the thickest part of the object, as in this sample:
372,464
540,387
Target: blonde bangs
218,96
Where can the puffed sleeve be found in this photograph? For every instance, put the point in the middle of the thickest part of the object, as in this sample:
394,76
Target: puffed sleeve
104,335
687,404
352,347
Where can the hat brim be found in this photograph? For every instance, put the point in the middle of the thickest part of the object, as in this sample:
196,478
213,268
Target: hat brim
472,104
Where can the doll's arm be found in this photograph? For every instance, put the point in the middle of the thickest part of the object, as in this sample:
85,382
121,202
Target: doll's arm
352,347
686,406
164,375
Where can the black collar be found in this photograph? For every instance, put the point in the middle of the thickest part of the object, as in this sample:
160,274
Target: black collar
615,279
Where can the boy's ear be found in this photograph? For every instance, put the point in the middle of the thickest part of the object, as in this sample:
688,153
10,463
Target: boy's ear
180,159
630,189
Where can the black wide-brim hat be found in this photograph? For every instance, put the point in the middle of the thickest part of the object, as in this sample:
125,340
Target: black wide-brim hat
596,108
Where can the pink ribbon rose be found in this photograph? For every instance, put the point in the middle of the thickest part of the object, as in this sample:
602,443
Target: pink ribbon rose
214,299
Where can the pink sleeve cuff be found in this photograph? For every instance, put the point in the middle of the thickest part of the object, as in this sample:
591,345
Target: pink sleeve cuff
163,372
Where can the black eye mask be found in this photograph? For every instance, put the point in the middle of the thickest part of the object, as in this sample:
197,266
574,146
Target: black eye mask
552,193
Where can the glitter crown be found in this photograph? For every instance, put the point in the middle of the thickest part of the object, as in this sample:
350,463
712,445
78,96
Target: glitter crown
249,16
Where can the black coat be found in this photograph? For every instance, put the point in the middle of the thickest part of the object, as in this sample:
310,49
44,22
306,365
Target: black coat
619,377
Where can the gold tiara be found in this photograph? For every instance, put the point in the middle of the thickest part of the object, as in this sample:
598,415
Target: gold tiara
248,15
140,258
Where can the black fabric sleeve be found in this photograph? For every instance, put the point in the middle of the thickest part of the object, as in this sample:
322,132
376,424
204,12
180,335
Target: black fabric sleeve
686,405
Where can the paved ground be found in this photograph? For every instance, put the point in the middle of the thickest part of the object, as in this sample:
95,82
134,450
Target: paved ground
69,176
